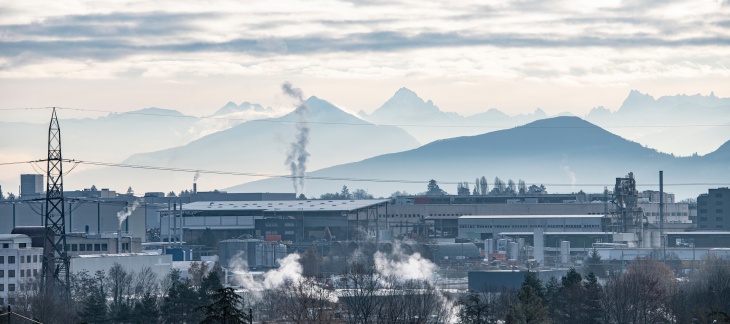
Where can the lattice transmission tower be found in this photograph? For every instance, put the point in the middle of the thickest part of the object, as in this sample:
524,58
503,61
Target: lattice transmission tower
55,276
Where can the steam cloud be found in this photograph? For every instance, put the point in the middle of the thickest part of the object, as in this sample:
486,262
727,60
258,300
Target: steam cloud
126,211
290,270
570,175
397,264
406,267
297,155
196,176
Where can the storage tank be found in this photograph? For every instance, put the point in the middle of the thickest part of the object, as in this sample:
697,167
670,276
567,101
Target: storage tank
267,255
241,251
565,252
539,240
489,246
514,250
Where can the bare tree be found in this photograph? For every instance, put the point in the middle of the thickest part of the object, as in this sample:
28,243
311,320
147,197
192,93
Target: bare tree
197,271
119,282
306,301
360,296
483,186
146,283
521,187
640,295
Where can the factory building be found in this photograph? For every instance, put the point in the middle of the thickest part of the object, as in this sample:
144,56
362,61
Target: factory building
90,216
20,262
498,280
287,220
84,244
490,226
250,253
31,186
406,214
160,264
713,210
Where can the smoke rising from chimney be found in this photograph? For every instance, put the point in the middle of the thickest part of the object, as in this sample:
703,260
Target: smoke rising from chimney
126,211
196,176
297,155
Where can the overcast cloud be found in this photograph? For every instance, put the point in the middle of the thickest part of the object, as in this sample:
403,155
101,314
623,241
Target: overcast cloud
597,46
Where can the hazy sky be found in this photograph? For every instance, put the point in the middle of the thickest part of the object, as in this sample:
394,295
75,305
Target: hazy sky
467,56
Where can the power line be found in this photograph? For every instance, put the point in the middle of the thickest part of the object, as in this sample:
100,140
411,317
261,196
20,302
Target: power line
379,180
364,123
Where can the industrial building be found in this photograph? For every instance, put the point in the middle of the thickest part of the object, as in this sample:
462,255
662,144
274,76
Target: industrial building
160,264
20,262
91,216
250,253
407,214
31,186
288,220
497,280
490,226
713,210
83,244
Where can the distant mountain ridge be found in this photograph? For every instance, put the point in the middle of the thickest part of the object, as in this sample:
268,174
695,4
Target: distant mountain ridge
231,108
682,124
704,120
560,152
418,116
260,147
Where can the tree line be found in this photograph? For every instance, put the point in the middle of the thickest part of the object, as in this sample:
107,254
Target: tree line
481,188
345,194
646,292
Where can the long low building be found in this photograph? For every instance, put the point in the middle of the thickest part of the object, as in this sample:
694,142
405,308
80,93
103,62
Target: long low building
489,226
160,264
290,220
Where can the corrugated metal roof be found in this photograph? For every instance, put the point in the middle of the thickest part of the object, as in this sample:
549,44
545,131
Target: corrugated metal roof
527,216
699,233
6,237
556,233
285,205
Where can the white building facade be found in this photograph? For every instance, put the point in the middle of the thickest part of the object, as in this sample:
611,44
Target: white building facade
20,265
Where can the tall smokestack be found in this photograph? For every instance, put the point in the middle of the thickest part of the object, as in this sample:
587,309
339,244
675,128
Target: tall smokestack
195,182
661,213
297,155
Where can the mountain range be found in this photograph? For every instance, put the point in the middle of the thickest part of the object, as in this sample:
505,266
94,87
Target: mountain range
563,153
254,139
679,124
261,146
427,122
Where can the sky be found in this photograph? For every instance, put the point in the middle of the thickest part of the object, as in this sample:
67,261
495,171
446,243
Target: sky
467,56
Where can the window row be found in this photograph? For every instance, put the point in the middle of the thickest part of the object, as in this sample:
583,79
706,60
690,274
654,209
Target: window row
22,259
529,226
103,247
23,273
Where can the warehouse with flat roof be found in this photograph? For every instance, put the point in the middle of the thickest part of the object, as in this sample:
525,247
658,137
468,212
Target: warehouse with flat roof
288,220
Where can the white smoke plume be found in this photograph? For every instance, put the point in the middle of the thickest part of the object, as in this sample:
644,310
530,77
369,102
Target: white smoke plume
570,175
297,155
126,211
196,176
290,270
405,267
